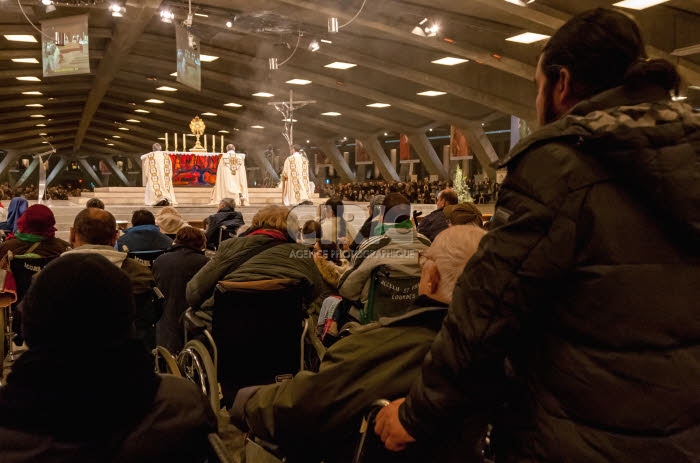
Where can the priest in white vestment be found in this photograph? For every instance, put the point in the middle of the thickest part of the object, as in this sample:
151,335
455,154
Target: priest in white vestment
157,172
296,187
231,178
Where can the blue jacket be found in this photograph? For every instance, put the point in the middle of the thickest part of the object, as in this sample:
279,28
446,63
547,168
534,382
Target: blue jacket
143,238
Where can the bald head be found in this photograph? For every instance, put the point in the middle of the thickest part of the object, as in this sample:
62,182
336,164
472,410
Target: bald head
446,258
93,226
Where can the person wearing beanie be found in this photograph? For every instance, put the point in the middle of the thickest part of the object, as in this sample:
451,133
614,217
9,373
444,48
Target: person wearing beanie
169,221
36,225
57,406
35,237
464,214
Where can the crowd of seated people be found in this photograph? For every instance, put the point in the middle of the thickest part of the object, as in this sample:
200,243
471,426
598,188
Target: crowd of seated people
424,191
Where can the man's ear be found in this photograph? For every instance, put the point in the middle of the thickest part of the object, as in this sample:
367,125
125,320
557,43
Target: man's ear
71,238
433,279
562,94
113,241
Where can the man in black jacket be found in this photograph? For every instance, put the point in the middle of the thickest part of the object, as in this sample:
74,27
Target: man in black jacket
585,290
226,216
435,222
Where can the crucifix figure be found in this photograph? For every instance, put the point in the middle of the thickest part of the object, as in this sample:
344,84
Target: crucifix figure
287,109
296,187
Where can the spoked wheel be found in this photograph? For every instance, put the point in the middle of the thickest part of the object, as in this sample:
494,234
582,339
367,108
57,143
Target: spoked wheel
165,362
196,365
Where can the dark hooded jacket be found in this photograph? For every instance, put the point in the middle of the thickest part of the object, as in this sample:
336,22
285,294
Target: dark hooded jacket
227,217
587,289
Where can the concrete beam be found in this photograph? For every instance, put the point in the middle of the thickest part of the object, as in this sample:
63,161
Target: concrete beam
427,154
381,160
483,149
88,168
264,164
336,157
117,171
126,33
27,173
463,50
432,81
55,171
10,156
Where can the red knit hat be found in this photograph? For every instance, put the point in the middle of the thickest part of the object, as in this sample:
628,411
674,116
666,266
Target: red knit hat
37,220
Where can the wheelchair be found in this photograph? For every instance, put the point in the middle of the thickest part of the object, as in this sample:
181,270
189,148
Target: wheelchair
23,270
390,293
145,257
225,348
369,448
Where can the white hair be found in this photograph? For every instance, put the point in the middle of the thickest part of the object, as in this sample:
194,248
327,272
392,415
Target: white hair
451,250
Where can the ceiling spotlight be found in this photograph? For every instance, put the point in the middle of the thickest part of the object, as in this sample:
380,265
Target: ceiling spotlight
117,10
273,64
229,24
167,16
425,28
333,25
520,2
46,2
50,8
314,45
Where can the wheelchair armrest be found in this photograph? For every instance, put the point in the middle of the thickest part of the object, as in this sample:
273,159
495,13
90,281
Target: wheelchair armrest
198,320
257,449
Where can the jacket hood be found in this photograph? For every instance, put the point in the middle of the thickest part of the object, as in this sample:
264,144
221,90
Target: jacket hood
646,141
114,256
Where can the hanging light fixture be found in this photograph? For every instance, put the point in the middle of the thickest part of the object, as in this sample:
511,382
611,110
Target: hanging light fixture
334,27
273,64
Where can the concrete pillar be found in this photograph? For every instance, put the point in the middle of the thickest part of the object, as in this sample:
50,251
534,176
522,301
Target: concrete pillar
339,160
482,148
427,154
377,154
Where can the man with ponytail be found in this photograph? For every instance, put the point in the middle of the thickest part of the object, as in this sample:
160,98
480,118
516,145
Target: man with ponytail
576,322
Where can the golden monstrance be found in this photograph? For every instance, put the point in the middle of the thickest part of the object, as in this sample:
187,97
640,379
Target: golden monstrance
197,128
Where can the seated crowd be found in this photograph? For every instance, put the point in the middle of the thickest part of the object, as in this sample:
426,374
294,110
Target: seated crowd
330,259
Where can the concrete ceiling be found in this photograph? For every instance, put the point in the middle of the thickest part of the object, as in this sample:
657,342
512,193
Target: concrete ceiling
132,55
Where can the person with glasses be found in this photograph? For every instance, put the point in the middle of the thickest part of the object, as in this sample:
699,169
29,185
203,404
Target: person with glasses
435,222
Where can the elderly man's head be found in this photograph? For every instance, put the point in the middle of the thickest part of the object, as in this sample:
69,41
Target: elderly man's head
444,261
93,226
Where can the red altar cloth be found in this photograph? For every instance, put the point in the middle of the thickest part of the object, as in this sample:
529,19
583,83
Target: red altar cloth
194,169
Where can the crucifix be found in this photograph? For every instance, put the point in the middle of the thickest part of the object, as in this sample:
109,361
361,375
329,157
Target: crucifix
287,109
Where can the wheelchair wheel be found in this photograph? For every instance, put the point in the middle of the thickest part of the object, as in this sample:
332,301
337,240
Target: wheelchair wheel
165,362
196,365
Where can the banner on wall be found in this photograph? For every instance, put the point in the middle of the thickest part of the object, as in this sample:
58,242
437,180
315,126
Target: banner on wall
361,154
189,65
64,46
405,153
322,159
459,146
